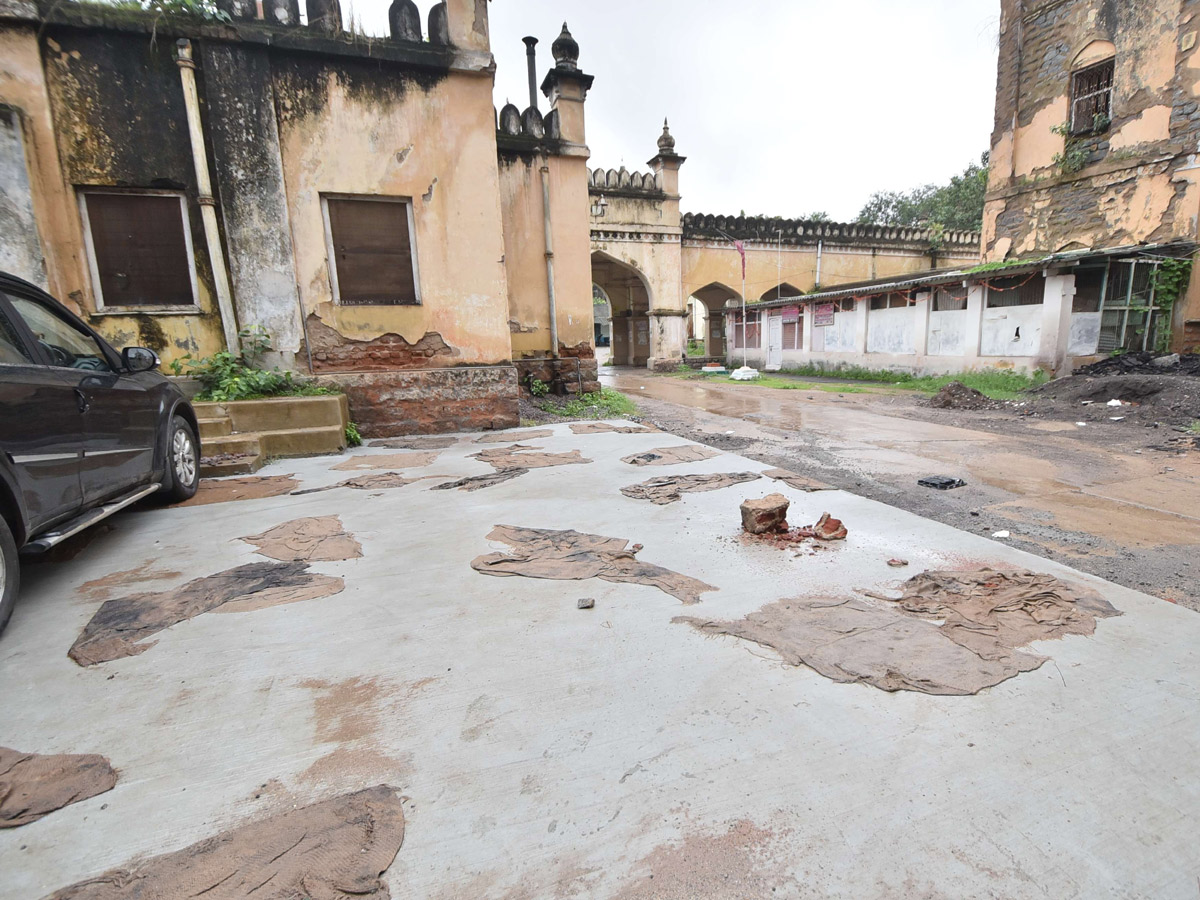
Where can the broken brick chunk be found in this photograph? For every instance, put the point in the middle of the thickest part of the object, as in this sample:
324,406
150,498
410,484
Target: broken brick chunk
765,516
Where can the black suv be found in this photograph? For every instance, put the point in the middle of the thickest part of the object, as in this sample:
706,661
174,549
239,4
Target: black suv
84,430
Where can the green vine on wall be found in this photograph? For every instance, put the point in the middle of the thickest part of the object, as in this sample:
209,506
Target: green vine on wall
1169,281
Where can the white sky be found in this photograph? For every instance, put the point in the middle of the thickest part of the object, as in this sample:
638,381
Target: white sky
783,107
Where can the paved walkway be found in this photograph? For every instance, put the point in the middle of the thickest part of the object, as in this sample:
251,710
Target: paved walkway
546,751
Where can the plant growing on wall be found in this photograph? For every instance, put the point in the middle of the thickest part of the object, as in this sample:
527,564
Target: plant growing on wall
225,376
1167,284
1075,154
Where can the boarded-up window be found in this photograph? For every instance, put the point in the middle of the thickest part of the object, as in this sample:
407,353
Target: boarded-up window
949,298
1022,290
372,251
793,328
1089,287
1091,98
748,334
889,301
140,249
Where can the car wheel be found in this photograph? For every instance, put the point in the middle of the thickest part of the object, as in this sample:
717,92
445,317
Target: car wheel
10,573
182,462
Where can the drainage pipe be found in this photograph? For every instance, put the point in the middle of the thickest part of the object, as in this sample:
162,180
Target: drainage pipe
820,247
549,236
208,207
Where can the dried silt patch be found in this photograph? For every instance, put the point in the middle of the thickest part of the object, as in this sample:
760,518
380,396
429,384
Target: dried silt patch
575,556
948,632
33,785
316,539
122,627
335,850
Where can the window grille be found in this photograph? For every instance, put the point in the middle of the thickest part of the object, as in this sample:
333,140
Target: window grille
1091,98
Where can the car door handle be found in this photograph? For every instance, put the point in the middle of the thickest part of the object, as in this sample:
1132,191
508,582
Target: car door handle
84,403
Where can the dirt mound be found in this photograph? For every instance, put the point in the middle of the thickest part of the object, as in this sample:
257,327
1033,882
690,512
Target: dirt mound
1143,398
1145,364
957,395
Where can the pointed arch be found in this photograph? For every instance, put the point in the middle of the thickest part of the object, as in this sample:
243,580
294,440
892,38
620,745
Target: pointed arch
781,291
630,300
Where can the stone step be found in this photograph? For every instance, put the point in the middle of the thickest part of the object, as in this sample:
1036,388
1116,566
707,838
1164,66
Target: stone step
217,427
303,441
232,445
279,413
234,465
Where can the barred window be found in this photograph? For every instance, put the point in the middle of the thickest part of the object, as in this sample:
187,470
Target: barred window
1091,98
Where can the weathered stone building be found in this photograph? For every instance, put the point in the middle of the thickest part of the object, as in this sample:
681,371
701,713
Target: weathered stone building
358,198
1095,142
1090,221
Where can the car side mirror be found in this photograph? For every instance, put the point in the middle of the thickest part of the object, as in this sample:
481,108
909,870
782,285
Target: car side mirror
139,359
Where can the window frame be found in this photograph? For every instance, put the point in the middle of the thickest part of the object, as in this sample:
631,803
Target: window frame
331,254
1077,97
9,293
173,309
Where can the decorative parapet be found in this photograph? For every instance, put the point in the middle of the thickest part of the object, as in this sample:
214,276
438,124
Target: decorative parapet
798,231
622,180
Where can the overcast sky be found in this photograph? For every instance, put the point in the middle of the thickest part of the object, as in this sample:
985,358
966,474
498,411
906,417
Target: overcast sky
782,107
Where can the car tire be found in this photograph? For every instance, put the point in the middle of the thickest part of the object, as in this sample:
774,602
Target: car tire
181,462
10,573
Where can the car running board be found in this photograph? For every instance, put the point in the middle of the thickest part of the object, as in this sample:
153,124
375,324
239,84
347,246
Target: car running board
44,542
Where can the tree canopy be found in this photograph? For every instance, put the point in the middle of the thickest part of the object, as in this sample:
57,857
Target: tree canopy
956,206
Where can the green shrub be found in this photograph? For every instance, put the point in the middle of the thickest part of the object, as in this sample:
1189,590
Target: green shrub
607,404
225,377
353,438
538,388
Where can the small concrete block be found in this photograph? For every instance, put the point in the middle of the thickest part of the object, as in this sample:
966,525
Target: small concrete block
766,515
585,603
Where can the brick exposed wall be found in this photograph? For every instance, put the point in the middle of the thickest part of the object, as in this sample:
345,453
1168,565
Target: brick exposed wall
429,401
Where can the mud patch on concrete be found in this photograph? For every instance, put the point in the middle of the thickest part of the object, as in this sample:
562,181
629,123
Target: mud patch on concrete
606,428
504,437
249,488
479,482
416,442
952,633
385,481
334,849
415,460
669,488
575,556
318,539
799,482
33,785
122,627
103,588
745,860
520,456
669,456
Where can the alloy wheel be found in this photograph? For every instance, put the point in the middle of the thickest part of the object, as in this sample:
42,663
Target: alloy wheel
183,457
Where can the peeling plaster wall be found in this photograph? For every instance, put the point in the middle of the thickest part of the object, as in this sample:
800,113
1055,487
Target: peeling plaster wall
248,172
525,257
356,127
1012,331
891,331
20,249
1139,181
108,91
23,89
948,332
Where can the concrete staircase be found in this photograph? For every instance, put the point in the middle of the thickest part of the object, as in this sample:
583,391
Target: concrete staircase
239,437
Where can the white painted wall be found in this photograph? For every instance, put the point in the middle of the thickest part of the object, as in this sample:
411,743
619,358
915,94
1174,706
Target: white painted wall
1000,331
891,330
948,332
839,337
1084,338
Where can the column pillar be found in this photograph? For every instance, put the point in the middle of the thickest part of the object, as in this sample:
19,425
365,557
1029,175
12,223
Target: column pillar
920,313
1057,301
973,332
862,308
668,339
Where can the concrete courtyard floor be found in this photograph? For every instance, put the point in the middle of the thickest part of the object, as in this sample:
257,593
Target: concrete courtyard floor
545,751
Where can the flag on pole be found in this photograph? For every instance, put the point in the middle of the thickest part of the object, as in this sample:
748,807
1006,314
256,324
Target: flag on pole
741,249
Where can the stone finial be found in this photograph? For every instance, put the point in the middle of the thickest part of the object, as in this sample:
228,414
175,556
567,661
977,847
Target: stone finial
324,15
404,20
666,141
510,119
439,25
565,50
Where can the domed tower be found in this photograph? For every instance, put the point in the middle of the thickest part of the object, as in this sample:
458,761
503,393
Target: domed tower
666,164
566,87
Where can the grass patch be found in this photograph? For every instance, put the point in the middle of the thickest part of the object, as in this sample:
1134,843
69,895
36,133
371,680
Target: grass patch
850,373
608,404
994,384
787,384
